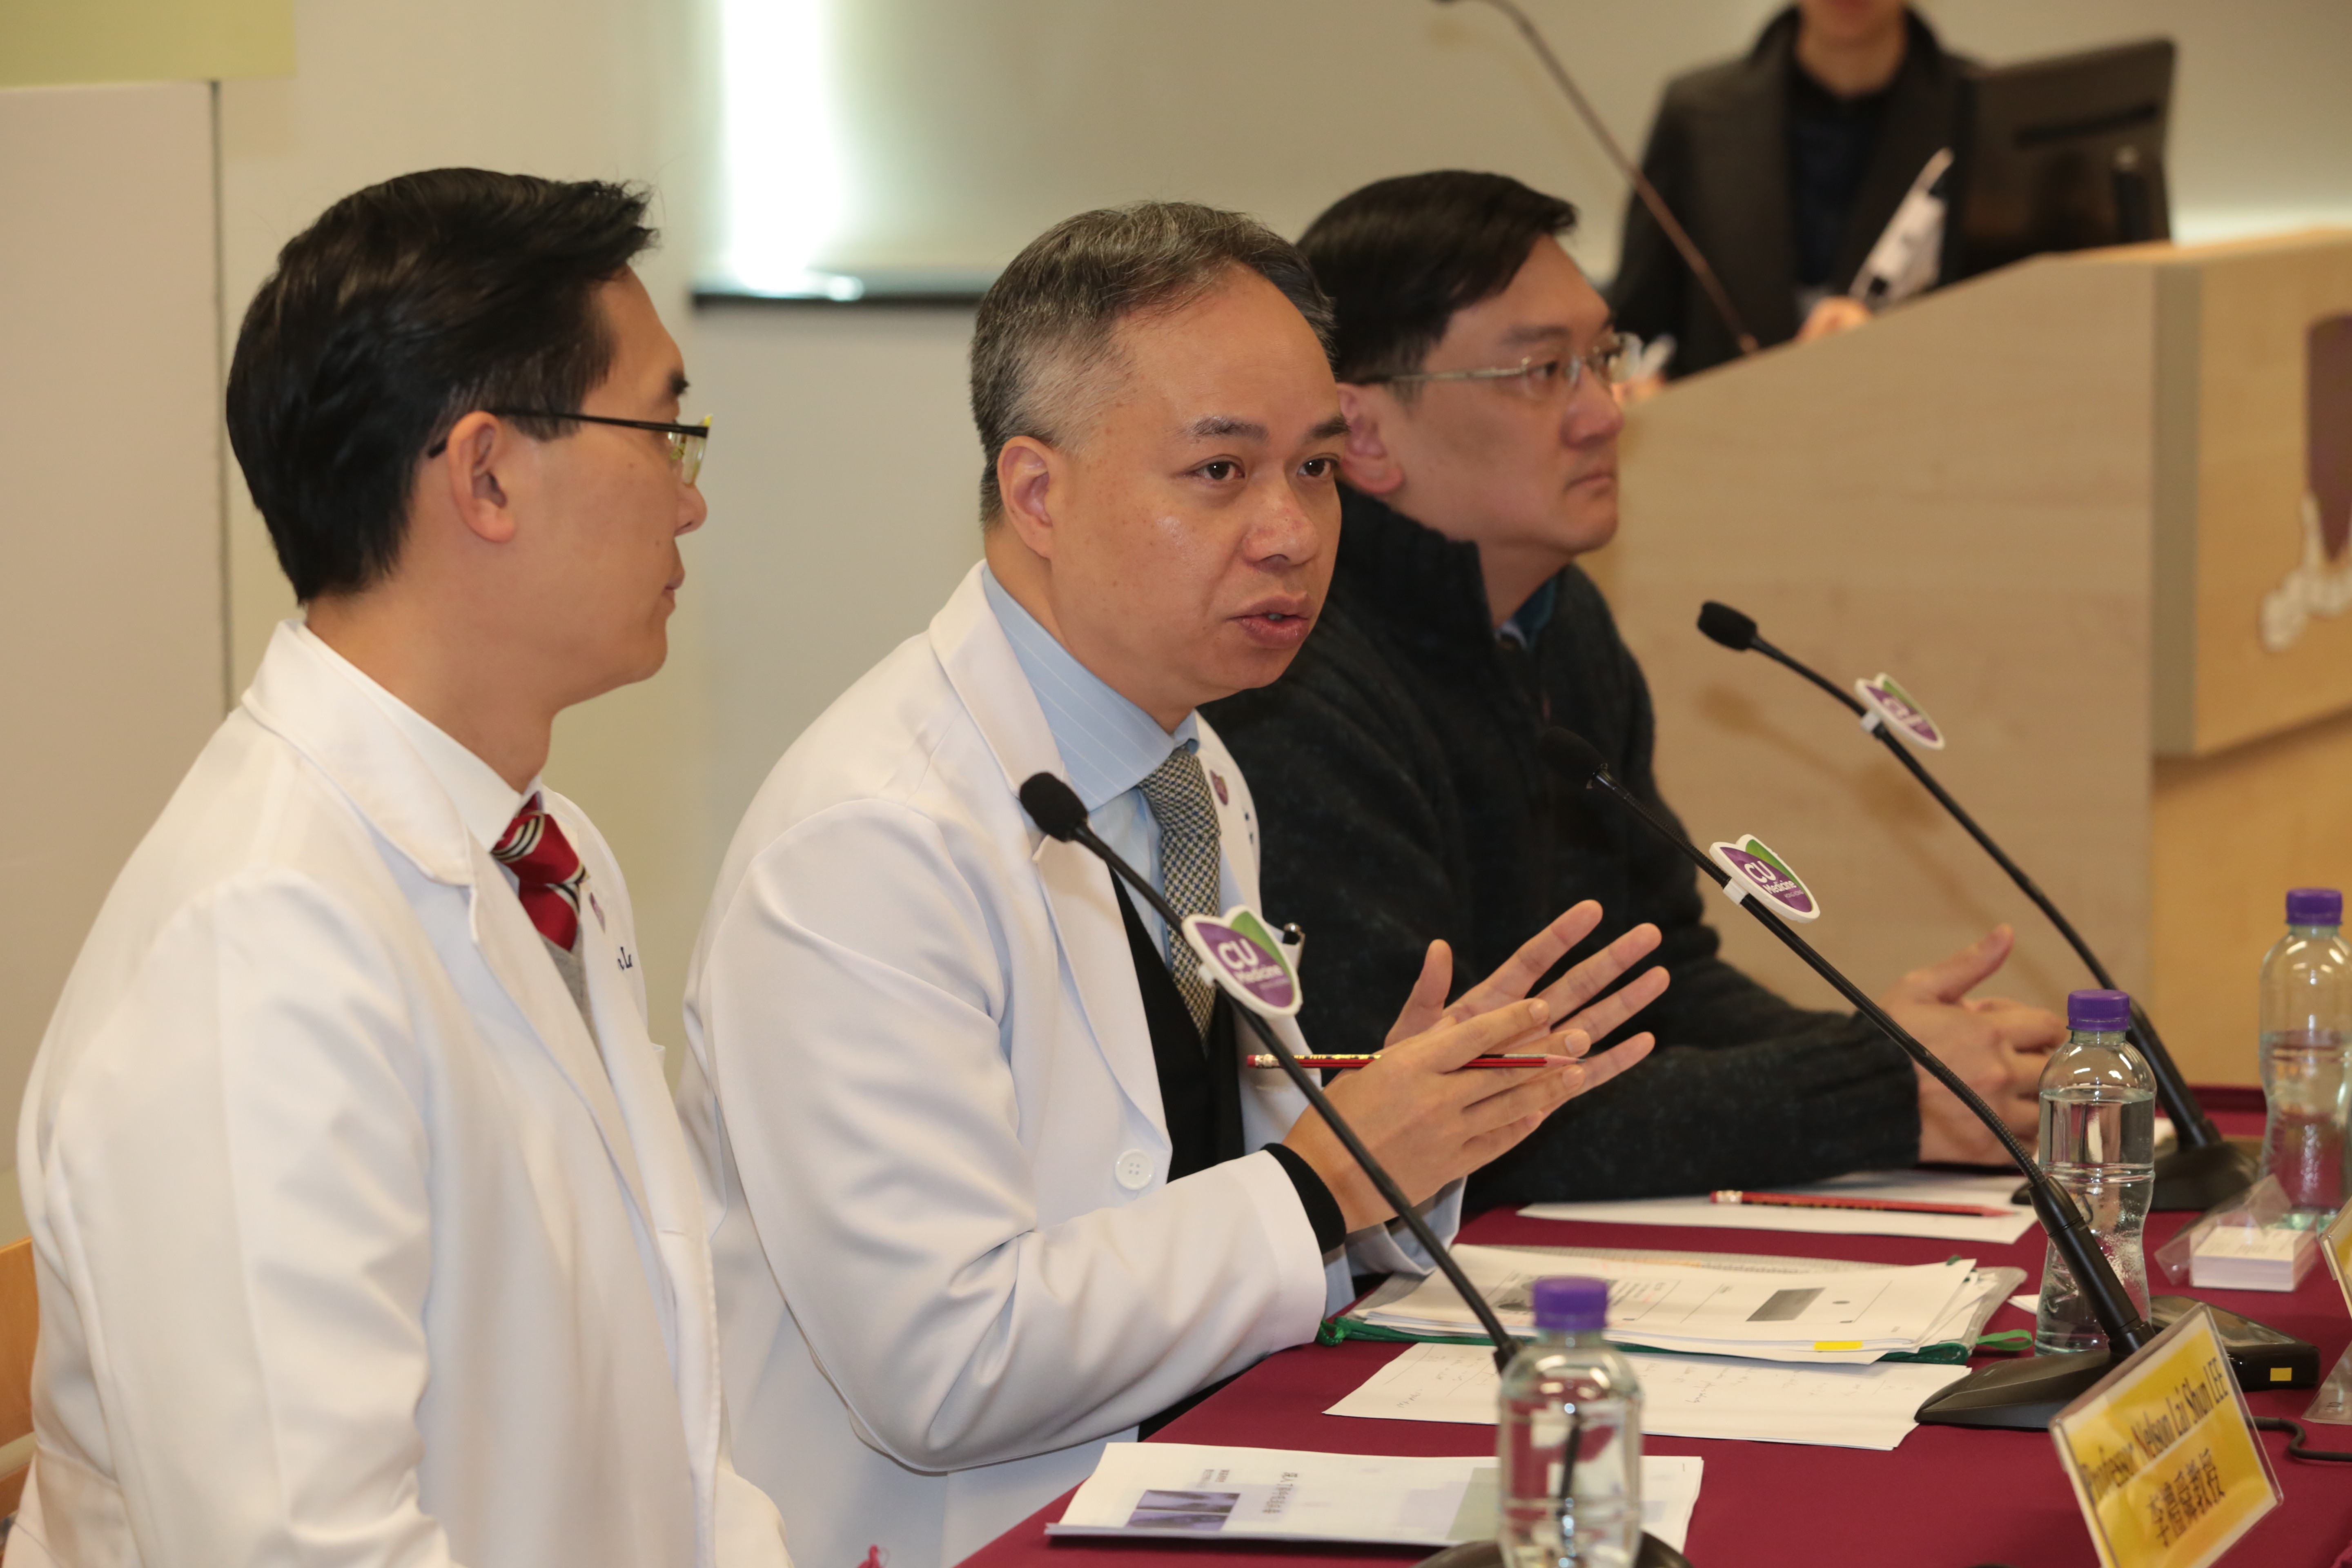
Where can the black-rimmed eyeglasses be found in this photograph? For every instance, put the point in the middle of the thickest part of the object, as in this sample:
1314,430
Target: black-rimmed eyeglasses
686,442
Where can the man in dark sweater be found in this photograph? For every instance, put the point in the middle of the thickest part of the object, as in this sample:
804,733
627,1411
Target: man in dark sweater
1397,763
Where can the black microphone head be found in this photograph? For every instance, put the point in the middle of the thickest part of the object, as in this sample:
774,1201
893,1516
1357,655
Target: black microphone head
1053,805
1572,755
1727,625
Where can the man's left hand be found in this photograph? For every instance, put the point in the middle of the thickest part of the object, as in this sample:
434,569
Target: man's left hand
1995,1045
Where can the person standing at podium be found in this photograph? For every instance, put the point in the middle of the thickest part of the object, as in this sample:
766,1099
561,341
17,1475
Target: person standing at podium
997,1186
1401,750
1784,166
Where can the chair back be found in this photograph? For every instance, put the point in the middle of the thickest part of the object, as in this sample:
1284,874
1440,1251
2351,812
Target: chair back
20,1325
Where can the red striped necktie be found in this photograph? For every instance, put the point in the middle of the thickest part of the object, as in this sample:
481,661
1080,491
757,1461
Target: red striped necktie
547,870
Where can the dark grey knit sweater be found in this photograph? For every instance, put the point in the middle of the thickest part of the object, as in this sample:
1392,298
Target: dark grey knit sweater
1402,798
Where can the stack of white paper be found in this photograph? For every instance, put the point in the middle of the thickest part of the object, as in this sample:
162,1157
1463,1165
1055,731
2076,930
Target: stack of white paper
1698,1396
2252,1257
1185,1491
1846,1313
1901,1187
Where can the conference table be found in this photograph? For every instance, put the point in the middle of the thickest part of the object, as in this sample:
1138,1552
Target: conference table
1948,1495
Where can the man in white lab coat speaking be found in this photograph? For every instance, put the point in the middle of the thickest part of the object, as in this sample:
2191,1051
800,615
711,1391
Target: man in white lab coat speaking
998,1184
364,1224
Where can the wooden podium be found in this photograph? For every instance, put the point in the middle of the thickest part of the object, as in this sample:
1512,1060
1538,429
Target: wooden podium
2079,509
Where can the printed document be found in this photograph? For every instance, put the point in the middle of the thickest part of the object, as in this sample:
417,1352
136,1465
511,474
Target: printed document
1856,1312
1187,1491
1681,1396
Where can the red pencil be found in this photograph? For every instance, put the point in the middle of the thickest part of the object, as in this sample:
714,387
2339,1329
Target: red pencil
1888,1205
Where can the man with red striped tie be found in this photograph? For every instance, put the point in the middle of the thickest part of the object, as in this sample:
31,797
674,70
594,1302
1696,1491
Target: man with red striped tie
363,1225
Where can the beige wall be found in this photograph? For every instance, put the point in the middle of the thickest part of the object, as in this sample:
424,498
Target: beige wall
110,502
1278,108
833,534
96,41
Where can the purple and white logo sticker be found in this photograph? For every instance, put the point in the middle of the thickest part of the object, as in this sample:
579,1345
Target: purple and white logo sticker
1890,704
1239,953
1757,872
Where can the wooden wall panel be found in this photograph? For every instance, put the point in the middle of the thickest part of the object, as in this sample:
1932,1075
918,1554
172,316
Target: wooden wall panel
2258,302
2231,834
1994,494
1958,495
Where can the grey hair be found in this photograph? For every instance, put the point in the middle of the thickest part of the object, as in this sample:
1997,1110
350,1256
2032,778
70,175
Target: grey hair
1047,325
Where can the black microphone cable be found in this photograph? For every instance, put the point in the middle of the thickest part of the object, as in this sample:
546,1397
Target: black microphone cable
2297,1441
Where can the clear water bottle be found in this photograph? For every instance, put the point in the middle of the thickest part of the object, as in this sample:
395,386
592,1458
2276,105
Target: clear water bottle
2306,1050
2098,1141
1569,1438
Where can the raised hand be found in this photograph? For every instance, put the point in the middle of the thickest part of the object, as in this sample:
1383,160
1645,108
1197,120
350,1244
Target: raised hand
1431,1124
1570,997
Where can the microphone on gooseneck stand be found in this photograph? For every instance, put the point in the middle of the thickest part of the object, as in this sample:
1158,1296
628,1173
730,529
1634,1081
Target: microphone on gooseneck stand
1676,233
1056,808
2021,1395
2206,1168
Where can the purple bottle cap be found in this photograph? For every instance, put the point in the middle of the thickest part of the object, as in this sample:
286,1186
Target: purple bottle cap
2098,1012
2315,907
1572,1304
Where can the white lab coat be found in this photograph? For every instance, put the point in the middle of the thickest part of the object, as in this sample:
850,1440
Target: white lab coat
350,1248
923,1082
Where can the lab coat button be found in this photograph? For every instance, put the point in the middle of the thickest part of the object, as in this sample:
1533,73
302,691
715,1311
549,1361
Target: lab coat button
1135,1170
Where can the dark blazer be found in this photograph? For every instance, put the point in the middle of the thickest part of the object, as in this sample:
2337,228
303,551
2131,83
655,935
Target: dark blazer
1719,154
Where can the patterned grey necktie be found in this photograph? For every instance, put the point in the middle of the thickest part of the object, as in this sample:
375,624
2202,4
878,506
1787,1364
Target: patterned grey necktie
1178,793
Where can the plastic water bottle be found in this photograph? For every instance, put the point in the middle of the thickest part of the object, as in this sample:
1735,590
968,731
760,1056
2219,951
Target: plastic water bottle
2307,1051
1569,1438
2098,1141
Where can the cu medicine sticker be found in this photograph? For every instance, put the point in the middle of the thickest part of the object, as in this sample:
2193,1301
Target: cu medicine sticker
1756,872
1890,704
1247,959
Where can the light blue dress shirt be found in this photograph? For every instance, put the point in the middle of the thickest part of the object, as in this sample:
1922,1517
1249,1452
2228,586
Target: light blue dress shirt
1107,744
1527,622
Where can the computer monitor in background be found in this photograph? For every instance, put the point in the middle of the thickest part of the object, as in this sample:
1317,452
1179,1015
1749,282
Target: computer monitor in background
2060,154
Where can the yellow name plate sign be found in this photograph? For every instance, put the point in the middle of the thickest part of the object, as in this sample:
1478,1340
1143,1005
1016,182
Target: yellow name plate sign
2163,1453
2336,1246
2333,1404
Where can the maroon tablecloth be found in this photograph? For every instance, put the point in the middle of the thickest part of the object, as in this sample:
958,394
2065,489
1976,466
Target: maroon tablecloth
1948,1496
